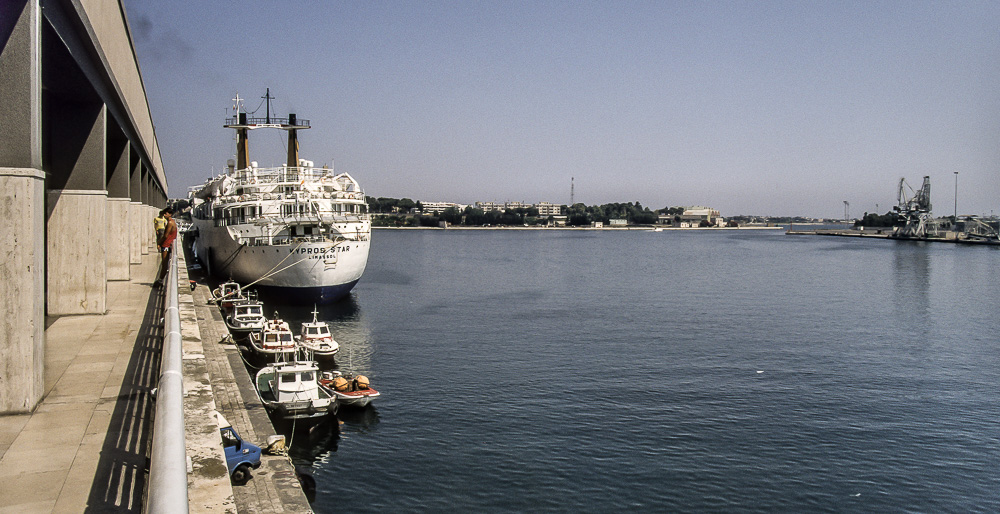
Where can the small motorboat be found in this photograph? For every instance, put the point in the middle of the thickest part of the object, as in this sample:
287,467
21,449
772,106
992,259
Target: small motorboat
349,390
246,316
274,342
226,294
291,390
315,337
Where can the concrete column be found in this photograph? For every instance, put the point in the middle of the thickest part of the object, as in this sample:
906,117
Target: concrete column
145,222
22,209
76,214
77,275
119,251
135,232
148,235
119,255
22,288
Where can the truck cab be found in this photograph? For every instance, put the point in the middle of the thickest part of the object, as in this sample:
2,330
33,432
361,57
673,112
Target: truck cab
241,456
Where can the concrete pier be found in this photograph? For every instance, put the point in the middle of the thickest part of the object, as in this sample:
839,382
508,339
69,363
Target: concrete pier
275,486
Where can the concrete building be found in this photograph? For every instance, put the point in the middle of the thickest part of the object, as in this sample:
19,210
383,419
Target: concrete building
489,206
544,208
548,209
439,207
80,173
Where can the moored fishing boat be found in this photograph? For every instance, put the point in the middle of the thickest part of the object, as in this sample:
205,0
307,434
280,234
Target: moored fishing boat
298,229
315,336
274,342
291,390
349,390
245,317
226,294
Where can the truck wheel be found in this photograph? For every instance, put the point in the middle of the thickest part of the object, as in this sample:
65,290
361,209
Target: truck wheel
241,474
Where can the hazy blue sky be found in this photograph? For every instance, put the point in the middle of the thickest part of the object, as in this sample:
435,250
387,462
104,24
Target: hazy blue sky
780,108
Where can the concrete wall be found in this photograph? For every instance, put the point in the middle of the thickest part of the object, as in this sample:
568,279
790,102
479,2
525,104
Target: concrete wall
22,278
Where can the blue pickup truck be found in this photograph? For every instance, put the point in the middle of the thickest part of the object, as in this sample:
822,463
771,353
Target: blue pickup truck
241,456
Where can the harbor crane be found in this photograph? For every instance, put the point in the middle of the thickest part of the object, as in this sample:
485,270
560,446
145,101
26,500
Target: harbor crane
914,211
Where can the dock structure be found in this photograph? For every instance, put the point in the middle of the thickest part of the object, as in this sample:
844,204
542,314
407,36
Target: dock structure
81,328
80,173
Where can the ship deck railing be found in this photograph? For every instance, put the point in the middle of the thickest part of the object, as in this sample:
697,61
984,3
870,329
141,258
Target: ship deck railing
292,175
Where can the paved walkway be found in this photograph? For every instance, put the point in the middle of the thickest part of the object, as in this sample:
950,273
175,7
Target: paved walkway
84,446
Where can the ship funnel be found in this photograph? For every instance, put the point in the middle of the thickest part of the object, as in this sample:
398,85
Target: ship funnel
242,150
293,142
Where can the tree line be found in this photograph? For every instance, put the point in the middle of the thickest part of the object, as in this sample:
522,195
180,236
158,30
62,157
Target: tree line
395,212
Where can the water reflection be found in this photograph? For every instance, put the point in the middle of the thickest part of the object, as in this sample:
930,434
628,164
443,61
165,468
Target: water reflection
363,420
312,443
911,275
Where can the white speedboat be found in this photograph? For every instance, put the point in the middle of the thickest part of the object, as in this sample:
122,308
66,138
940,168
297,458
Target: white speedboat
298,230
274,342
349,390
315,336
291,390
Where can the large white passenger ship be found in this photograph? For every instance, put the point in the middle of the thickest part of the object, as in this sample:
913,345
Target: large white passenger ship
301,230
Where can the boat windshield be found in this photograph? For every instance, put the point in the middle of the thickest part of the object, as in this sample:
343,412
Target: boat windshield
306,376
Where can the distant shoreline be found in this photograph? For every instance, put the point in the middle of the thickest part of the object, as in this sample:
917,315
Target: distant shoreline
633,229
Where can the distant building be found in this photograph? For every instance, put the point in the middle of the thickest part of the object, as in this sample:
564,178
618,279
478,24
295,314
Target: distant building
597,224
439,207
544,208
694,216
548,209
617,222
489,206
557,221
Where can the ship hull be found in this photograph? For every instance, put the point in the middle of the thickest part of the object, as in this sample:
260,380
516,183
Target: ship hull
308,272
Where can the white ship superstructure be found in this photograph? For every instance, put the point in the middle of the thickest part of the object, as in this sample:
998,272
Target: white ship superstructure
295,227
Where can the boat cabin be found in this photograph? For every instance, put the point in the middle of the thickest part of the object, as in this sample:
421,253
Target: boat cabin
229,290
277,340
315,331
295,383
249,311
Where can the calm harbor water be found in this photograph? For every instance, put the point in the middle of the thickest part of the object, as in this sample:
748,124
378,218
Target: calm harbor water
586,371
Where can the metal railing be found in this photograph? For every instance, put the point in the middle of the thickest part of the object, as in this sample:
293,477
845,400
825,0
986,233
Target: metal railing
168,486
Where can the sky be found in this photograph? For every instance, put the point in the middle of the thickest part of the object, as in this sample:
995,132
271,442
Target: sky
760,108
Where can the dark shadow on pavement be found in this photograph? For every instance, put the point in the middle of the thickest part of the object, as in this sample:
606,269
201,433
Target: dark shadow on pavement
120,482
